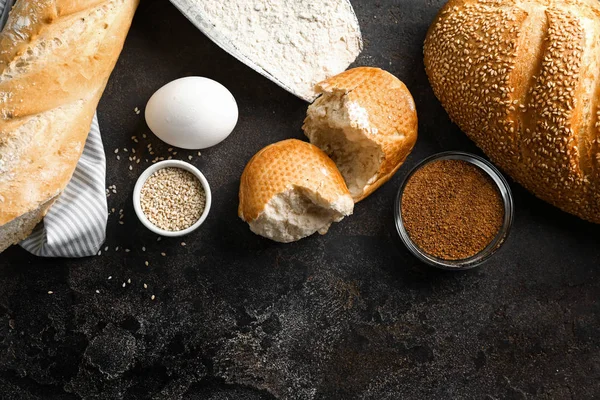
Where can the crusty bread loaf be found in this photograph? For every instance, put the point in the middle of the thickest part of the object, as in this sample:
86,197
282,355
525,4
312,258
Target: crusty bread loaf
366,121
55,59
290,190
522,79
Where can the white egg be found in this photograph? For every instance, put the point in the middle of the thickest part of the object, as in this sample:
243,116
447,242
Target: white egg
192,113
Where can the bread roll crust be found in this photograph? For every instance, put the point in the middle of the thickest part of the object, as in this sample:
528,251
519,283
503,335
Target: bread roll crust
283,166
390,123
522,79
55,60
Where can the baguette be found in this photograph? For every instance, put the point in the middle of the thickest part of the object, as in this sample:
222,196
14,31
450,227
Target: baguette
55,60
522,79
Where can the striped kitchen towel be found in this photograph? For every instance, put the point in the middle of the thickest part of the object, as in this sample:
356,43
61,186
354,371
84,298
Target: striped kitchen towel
75,225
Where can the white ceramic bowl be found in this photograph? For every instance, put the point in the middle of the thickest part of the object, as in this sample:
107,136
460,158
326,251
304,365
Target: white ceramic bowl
166,164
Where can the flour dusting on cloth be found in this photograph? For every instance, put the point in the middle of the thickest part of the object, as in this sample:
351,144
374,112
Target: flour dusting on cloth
299,42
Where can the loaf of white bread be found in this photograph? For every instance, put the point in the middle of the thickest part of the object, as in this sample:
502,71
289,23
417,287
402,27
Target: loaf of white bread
522,79
361,130
55,60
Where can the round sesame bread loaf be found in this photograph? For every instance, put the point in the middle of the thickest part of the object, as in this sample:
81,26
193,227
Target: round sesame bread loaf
290,190
522,79
366,121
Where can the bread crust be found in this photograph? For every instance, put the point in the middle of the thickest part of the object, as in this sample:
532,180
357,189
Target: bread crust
283,166
391,112
53,70
522,79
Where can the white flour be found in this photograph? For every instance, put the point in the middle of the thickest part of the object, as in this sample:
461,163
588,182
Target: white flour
300,42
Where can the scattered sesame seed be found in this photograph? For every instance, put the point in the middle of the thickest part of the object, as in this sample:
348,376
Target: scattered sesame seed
50,292
145,286
199,154
97,291
163,254
144,135
129,281
116,151
190,157
130,168
106,248
124,284
153,297
110,277
147,263
99,252
127,250
183,243
143,248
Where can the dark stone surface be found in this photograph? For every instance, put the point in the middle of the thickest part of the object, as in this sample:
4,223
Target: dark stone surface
346,315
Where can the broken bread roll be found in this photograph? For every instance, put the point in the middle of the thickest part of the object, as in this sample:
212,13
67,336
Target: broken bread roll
366,121
290,190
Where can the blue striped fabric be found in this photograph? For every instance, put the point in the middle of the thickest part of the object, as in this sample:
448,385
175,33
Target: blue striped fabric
75,225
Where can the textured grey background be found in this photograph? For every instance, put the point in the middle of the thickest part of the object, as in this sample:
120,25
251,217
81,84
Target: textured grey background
347,315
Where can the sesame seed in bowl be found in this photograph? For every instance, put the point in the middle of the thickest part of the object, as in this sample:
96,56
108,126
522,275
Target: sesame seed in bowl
172,198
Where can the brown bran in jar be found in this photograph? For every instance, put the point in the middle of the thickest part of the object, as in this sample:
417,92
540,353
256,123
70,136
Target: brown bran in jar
451,209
